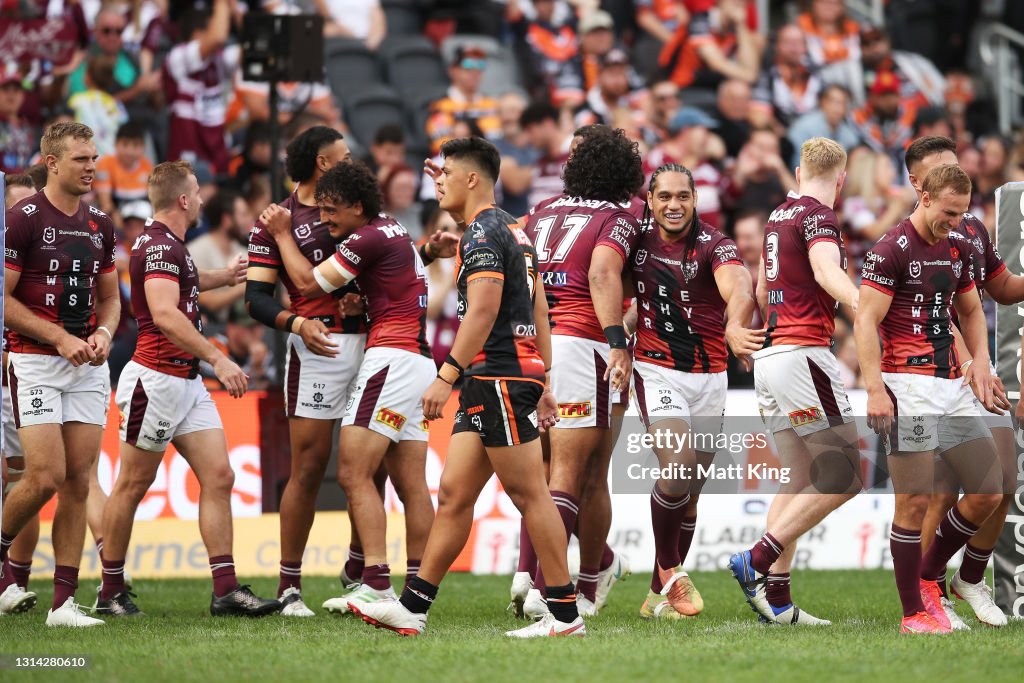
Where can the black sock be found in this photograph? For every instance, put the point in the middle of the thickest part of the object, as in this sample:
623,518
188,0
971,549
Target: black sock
418,595
562,602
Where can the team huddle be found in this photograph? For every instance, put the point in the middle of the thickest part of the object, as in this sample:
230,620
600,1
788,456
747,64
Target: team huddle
595,296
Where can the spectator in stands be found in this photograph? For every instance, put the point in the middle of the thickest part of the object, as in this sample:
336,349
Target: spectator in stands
254,163
133,216
932,121
196,75
399,186
19,140
96,107
124,175
662,18
873,201
442,297
362,20
17,186
831,35
387,149
920,82
242,342
540,122
129,81
463,100
692,145
662,106
518,156
218,246
549,54
886,123
748,233
996,169
788,88
718,44
597,38
732,111
760,177
830,120
292,97
613,91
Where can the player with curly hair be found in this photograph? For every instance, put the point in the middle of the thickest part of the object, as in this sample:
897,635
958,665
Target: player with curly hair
583,237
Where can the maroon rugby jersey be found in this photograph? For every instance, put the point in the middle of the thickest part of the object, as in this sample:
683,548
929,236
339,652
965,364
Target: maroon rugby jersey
317,245
393,280
799,310
681,314
921,278
987,262
565,231
158,253
59,258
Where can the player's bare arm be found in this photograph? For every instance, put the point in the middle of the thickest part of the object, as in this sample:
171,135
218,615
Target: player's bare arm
278,222
483,299
19,318
263,306
605,277
233,274
828,272
999,400
1006,288
108,313
735,287
975,332
547,406
630,318
162,296
874,304
761,293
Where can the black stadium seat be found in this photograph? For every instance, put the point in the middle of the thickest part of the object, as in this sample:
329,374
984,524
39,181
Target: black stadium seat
351,68
370,109
413,65
403,17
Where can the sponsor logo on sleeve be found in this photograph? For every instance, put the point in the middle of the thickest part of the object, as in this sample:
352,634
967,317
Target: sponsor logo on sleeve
10,253
879,279
154,265
390,418
480,259
346,253
259,249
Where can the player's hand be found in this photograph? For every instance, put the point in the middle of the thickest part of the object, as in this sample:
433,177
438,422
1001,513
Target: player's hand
1002,403
231,376
880,411
237,269
435,397
1018,415
744,341
100,343
432,169
317,338
351,306
76,351
277,220
983,383
620,366
547,410
443,244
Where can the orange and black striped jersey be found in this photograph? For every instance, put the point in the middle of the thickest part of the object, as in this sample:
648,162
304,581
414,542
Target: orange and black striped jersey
494,246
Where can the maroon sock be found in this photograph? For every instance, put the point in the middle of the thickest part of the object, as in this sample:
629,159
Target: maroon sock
65,583
777,590
377,576
20,571
607,557
666,516
953,533
905,546
686,530
354,563
940,580
412,568
568,508
223,569
764,553
972,570
289,576
113,578
527,555
586,582
8,575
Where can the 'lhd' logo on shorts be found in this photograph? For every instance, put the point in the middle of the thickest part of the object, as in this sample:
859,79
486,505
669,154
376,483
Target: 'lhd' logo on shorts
574,410
388,417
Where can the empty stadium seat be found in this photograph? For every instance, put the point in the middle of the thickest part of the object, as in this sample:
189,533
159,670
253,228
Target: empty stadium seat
403,17
369,109
413,65
351,68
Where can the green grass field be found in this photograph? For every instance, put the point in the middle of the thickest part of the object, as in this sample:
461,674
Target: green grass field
179,641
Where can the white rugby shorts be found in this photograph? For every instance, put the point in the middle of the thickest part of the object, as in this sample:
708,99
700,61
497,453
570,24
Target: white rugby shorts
317,386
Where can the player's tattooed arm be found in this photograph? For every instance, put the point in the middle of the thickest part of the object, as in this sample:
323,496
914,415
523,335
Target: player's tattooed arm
631,318
874,304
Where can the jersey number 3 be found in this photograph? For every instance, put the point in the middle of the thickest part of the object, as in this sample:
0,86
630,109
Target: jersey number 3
771,256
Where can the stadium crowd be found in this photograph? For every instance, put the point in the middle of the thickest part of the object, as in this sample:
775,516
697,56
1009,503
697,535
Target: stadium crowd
692,81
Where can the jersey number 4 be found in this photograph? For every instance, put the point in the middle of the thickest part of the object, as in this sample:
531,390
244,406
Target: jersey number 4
554,249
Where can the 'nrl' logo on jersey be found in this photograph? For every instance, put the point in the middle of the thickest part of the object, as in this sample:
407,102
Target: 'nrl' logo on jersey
915,269
303,231
50,234
641,256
